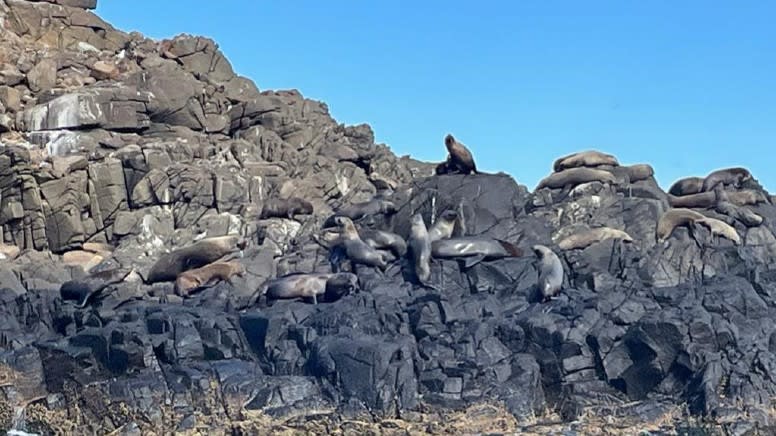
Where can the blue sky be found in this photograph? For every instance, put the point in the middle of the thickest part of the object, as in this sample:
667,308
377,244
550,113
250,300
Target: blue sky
687,86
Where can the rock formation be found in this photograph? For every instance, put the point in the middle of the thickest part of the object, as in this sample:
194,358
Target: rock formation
117,149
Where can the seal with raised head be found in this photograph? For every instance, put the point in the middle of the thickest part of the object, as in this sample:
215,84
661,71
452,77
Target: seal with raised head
193,279
444,225
727,176
588,158
576,176
420,249
315,286
350,246
205,251
285,208
550,272
460,156
474,249
588,237
686,186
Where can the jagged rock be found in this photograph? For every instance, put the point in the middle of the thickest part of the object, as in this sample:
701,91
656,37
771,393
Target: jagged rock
43,76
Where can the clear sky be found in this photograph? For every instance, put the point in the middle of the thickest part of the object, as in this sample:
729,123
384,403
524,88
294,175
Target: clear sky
688,86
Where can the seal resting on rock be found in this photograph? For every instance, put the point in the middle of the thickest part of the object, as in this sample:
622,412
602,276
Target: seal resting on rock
326,286
474,249
444,225
725,207
384,240
589,237
285,208
193,279
574,177
747,197
84,289
196,255
686,186
674,218
639,172
350,245
420,249
550,272
588,158
727,176
375,206
721,228
701,200
460,158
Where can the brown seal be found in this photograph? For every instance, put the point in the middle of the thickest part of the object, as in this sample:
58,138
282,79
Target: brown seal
639,172
375,206
674,218
701,200
460,156
721,228
355,249
588,158
384,240
208,250
330,286
589,237
686,186
747,197
193,279
444,225
574,177
727,176
285,208
740,213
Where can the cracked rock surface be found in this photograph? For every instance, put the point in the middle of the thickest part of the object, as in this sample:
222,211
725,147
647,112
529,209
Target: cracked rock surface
117,149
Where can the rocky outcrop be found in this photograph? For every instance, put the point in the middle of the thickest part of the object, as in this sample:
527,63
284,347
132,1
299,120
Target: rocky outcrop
117,149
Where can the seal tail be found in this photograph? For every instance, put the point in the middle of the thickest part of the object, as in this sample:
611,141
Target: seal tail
512,249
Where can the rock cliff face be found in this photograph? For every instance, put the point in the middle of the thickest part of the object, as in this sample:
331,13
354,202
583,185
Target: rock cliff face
117,149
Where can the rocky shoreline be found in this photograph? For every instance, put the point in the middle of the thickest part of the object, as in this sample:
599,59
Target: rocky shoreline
118,149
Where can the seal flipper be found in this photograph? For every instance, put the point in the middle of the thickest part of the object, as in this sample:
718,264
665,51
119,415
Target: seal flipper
471,261
512,249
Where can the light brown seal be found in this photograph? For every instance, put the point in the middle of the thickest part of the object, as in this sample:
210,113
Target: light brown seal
198,254
674,218
325,286
444,225
727,176
686,186
193,279
420,249
460,156
639,172
747,197
574,177
285,208
588,158
721,228
589,237
740,213
550,272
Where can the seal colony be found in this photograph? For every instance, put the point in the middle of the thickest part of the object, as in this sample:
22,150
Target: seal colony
373,244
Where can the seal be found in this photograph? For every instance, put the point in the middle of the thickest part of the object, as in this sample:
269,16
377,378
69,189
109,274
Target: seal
375,206
574,177
420,249
674,218
550,272
588,158
460,156
315,286
728,176
742,214
589,237
193,279
444,225
686,186
285,208
474,249
384,240
701,200
83,290
747,197
720,228
205,251
349,245
639,172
